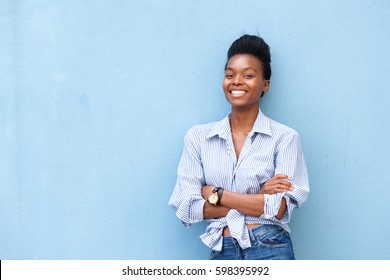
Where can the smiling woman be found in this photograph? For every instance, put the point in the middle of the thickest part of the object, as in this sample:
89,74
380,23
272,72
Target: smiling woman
246,173
244,82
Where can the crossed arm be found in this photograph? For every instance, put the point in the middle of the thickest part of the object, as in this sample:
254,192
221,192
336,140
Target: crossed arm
249,204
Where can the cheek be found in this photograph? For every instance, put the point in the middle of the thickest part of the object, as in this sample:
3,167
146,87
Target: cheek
224,83
260,86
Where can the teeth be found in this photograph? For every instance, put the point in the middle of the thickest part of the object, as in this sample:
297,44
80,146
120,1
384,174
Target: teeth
238,92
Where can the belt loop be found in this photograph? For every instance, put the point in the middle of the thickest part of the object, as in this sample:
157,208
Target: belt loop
251,235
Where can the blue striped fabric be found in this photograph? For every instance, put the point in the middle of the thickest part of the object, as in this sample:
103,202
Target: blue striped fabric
209,159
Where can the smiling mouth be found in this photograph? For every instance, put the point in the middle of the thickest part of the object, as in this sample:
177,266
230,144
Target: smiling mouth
237,93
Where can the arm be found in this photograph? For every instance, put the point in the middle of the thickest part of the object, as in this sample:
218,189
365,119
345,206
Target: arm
289,160
186,199
282,209
213,212
249,204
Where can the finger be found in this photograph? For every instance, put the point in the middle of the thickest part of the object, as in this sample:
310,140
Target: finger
281,176
286,186
283,186
275,180
284,183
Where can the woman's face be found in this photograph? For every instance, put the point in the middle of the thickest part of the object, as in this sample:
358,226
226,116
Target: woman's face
244,81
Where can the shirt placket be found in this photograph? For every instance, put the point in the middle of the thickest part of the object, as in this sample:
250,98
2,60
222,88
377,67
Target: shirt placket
236,163
232,155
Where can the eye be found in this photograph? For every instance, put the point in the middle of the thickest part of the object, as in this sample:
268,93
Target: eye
229,75
248,76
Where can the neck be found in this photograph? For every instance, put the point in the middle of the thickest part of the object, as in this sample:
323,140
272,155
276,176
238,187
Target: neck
243,120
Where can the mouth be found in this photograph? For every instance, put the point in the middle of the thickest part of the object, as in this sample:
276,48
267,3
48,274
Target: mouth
237,93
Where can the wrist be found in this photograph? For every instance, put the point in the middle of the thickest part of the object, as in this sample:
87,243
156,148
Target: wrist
214,197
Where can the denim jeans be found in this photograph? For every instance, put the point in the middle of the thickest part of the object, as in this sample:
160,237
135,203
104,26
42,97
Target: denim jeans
269,242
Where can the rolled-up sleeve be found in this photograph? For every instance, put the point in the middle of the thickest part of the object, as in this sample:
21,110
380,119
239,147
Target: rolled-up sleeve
187,198
289,160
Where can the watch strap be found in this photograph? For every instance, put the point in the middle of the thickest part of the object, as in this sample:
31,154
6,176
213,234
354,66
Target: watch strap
215,190
220,192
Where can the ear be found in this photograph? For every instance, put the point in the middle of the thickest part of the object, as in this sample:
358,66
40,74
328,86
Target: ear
266,86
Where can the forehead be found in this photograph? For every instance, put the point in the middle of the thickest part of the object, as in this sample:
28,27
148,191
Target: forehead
244,61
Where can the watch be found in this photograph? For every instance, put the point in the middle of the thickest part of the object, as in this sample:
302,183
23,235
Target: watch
215,196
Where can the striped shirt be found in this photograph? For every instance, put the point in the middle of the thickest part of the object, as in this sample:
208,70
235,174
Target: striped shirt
209,159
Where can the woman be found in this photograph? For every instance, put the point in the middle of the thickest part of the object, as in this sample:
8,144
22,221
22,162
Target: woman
246,173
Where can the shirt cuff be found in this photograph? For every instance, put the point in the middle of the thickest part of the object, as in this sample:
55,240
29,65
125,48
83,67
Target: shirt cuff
272,204
194,213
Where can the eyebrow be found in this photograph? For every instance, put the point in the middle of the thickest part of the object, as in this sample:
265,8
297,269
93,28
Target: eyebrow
245,69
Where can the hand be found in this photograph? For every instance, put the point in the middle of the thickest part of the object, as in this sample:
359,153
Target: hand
206,191
277,184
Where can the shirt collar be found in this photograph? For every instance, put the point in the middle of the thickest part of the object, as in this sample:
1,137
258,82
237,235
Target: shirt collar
222,128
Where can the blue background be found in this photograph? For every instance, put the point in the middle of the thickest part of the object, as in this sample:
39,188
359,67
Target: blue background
96,96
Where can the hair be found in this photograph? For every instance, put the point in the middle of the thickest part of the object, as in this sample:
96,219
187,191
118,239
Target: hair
253,45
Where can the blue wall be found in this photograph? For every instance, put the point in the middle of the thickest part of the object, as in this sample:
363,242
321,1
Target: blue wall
95,98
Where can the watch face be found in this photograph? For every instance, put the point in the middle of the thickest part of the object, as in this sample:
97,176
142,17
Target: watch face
213,198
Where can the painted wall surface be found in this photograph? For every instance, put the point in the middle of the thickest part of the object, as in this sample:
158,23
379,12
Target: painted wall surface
96,96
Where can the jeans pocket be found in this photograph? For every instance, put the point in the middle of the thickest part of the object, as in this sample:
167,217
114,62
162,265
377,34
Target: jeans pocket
273,237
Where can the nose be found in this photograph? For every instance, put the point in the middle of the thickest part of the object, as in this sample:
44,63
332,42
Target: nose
237,80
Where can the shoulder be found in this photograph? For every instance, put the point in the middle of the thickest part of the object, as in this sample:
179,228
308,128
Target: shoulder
201,131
